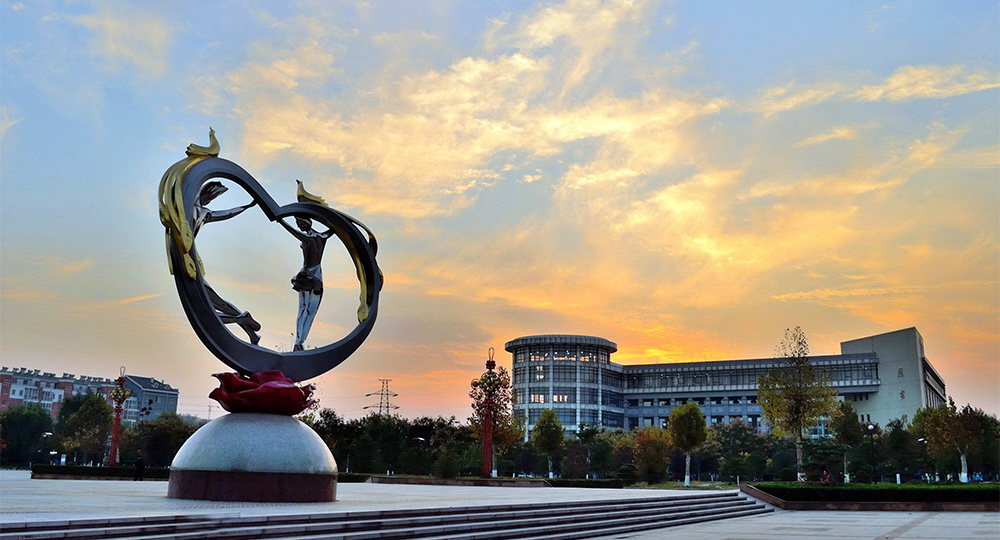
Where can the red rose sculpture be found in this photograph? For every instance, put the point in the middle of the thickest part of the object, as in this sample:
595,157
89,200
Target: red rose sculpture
269,392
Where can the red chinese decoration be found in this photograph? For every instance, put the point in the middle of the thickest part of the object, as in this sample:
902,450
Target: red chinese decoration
269,392
118,395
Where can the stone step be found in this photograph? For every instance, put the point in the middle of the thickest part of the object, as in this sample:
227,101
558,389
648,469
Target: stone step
404,523
419,527
123,522
553,530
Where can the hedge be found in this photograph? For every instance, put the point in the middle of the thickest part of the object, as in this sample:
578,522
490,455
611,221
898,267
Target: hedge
882,492
617,483
114,472
352,478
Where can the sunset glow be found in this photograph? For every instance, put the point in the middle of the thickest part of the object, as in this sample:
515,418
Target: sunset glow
684,179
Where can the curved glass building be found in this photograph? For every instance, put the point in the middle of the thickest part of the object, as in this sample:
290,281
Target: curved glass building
885,376
573,375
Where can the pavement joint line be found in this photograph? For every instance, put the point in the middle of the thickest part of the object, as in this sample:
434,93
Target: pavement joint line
895,533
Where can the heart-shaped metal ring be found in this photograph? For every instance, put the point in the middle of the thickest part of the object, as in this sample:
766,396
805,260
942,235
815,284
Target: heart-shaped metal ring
233,351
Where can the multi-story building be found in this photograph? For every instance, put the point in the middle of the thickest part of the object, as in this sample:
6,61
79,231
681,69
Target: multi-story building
22,385
884,377
152,398
573,375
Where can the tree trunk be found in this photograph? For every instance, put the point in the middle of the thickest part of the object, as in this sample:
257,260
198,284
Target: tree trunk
847,476
687,470
798,458
964,477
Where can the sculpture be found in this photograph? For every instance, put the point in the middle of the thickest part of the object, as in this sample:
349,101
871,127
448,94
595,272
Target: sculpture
226,456
188,185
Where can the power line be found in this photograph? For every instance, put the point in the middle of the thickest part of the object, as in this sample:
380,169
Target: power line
384,406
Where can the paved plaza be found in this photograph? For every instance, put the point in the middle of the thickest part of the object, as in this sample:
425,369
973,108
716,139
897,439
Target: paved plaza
810,525
23,499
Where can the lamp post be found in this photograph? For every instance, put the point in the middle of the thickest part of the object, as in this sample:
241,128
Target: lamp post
118,395
871,439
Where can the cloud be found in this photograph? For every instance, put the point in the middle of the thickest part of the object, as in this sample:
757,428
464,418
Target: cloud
879,291
927,81
427,147
585,30
841,132
779,99
129,36
893,172
7,120
73,267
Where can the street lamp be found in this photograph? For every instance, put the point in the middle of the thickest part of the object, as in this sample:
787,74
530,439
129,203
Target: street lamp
871,439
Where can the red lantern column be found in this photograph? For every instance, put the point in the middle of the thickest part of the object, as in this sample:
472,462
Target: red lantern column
488,389
118,395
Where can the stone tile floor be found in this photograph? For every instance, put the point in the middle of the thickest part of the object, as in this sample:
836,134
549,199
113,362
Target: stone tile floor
24,499
815,525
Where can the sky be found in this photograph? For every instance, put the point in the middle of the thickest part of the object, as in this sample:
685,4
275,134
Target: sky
686,179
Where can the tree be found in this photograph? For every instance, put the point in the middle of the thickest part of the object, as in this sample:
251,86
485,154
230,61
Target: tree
687,432
161,438
948,429
741,451
794,396
22,427
548,437
508,430
847,431
87,429
652,453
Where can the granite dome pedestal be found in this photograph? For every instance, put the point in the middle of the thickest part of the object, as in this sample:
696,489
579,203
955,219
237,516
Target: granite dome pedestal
254,457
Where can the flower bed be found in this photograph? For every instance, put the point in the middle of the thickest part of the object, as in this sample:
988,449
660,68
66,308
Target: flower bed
977,493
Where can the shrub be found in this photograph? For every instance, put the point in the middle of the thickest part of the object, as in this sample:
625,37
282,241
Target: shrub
584,483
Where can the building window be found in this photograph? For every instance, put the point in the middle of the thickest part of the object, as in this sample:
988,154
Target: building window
540,372
537,398
563,373
564,395
588,417
611,399
588,374
589,396
734,400
612,419
633,403
665,402
647,403
566,416
752,400
716,419
717,401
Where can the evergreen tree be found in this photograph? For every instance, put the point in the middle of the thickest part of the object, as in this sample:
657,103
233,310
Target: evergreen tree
687,432
548,437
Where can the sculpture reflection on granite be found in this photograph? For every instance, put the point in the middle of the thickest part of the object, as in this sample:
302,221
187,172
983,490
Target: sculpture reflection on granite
258,452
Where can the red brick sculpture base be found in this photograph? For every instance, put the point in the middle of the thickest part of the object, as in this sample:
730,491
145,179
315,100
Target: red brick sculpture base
252,487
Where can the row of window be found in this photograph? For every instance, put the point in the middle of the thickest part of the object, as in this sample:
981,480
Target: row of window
572,374
646,421
586,396
742,376
561,354
667,402
569,417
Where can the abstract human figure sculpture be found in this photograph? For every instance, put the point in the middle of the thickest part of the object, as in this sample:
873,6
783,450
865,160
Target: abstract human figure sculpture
228,313
260,444
186,189
309,281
